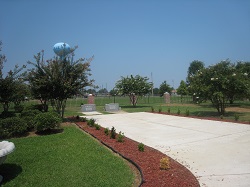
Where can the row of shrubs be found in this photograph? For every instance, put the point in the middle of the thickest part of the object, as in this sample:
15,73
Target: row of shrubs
164,162
13,125
108,132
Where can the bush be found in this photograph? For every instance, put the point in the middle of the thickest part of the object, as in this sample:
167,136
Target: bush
120,137
164,163
113,133
40,107
160,109
91,122
152,109
141,147
187,112
179,111
106,131
236,117
169,110
83,119
7,114
18,108
47,121
11,127
97,127
29,117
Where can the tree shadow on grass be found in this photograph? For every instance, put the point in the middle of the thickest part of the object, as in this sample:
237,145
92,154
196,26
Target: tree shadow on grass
9,172
214,114
138,106
49,132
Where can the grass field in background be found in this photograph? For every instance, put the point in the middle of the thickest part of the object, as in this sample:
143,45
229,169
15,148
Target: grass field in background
71,158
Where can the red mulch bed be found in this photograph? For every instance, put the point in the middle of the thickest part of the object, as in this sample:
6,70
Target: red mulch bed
148,161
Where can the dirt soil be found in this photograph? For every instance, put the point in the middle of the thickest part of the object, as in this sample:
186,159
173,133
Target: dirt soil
148,161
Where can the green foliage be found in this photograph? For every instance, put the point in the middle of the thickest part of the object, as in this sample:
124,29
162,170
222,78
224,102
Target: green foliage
18,108
187,112
141,147
182,89
194,67
106,131
7,114
134,87
29,116
236,117
113,133
164,87
178,111
220,83
169,110
97,126
91,122
47,121
58,79
160,109
120,137
83,119
152,109
11,127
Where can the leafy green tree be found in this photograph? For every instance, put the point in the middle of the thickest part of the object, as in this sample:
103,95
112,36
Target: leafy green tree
134,87
193,68
182,89
156,91
164,87
59,79
219,83
9,85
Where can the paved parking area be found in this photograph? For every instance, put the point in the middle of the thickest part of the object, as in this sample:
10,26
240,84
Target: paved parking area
217,153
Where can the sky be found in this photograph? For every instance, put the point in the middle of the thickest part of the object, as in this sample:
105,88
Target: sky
154,38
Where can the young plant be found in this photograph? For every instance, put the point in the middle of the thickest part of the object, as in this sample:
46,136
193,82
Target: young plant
164,163
113,133
236,117
141,147
187,112
120,137
152,109
169,110
160,109
97,127
91,122
106,131
83,119
179,111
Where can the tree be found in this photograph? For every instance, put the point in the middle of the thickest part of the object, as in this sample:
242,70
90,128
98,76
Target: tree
156,91
194,67
10,91
219,83
58,79
164,87
134,87
182,89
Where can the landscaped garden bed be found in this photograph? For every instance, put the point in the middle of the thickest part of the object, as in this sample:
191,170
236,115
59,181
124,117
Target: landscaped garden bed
148,160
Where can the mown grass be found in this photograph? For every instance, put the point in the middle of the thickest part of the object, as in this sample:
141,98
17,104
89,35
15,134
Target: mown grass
71,158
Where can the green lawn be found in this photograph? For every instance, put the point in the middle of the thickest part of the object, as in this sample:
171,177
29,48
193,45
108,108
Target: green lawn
71,158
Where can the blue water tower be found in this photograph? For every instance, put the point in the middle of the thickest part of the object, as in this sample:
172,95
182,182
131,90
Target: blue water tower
62,49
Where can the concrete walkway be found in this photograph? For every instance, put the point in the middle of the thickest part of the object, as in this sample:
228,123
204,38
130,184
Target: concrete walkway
217,153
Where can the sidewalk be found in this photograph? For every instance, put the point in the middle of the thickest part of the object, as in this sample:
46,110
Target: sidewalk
217,153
